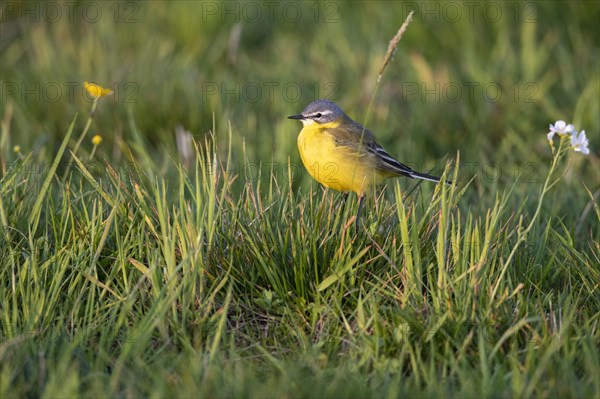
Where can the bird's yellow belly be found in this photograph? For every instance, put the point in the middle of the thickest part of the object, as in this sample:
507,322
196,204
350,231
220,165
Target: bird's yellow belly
333,166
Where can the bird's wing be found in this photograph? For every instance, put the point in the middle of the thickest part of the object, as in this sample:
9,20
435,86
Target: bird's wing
357,135
361,142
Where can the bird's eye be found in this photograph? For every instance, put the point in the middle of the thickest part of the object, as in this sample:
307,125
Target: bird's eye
318,115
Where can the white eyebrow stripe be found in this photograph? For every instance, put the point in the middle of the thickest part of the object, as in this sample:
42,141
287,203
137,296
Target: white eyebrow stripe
323,113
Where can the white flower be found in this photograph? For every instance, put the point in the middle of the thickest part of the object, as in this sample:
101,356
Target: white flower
561,128
580,142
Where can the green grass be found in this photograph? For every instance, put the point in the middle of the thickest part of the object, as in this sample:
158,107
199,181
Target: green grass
219,269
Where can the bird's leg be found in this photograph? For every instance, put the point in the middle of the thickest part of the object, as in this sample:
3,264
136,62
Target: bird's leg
344,198
360,204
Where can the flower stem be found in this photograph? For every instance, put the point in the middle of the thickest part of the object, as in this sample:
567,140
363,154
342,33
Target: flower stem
82,136
522,234
93,152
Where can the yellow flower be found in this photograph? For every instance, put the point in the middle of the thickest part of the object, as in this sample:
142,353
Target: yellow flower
17,149
96,90
97,139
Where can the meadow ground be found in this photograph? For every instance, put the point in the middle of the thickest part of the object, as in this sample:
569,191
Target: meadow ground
186,252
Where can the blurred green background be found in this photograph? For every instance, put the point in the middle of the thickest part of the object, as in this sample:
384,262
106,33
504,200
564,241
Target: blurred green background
482,79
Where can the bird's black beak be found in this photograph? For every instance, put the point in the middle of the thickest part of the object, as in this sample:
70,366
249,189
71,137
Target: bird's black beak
299,116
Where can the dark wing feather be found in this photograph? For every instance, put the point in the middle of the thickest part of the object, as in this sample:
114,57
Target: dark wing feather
388,163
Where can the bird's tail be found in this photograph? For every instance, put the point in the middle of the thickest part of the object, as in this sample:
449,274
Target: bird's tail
425,176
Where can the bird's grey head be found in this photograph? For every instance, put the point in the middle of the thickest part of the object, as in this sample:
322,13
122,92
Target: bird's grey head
319,111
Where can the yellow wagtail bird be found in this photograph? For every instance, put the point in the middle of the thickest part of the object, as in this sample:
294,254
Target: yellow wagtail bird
342,154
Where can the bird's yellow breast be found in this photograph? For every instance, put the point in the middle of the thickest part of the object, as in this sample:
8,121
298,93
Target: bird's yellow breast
334,166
